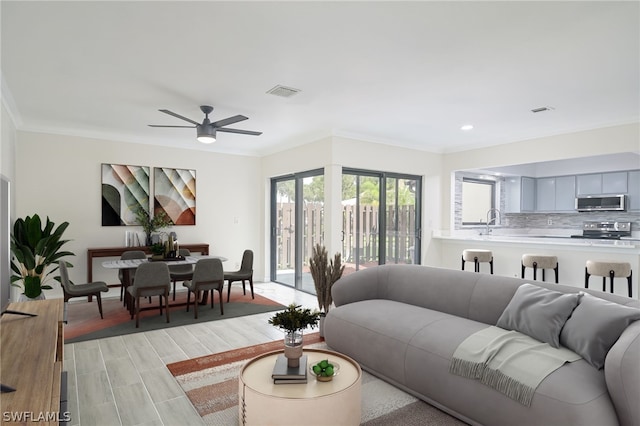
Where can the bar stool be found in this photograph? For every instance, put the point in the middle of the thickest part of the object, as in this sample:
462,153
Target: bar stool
477,256
540,261
608,268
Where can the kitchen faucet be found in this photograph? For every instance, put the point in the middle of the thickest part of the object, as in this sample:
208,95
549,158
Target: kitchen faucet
493,219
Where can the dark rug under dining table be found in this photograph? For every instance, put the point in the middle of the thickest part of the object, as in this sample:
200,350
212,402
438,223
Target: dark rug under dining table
84,323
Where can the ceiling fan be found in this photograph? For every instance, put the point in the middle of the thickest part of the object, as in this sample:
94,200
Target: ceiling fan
207,130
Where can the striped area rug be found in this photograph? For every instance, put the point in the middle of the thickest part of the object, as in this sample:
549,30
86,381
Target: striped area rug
211,384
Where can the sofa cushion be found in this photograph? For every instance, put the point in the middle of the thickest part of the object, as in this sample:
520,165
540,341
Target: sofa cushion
594,326
376,332
576,392
538,312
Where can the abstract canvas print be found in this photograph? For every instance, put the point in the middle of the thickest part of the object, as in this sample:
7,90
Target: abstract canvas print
124,190
175,194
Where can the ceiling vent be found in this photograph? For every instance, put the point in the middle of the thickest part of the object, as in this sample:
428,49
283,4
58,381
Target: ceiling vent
283,91
541,109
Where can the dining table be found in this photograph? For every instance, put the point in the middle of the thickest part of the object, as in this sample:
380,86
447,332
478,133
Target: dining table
127,265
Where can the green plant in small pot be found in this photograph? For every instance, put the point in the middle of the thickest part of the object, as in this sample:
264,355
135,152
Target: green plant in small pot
157,251
151,224
36,252
293,321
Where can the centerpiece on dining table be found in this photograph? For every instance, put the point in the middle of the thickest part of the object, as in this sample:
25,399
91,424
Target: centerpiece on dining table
168,250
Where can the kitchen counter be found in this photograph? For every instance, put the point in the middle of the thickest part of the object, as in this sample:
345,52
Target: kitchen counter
445,250
632,244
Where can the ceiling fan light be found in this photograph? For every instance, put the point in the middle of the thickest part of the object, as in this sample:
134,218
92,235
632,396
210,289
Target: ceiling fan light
206,134
206,139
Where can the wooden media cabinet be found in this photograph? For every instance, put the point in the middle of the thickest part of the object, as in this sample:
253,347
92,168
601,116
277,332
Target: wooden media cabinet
31,362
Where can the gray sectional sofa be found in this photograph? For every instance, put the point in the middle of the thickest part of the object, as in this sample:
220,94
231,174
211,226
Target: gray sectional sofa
403,323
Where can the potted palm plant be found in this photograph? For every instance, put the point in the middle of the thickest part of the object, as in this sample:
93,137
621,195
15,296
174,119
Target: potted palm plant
293,321
325,273
36,252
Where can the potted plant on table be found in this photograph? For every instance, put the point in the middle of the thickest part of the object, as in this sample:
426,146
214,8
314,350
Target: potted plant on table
325,273
157,251
36,252
293,321
151,224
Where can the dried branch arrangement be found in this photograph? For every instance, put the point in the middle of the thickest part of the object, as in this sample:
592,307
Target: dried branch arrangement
325,273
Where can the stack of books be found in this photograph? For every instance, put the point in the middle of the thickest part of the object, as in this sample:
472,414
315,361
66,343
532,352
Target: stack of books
283,374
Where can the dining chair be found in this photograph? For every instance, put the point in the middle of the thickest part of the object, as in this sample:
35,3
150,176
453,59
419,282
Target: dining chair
72,290
122,275
180,272
245,273
152,279
207,276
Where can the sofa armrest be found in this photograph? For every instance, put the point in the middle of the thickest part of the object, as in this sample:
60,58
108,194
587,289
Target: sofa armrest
355,287
622,374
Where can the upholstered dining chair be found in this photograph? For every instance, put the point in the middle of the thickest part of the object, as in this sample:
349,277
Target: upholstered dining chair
245,273
72,290
152,279
128,255
180,272
207,275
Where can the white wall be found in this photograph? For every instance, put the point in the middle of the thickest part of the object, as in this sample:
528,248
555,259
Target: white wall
7,143
60,177
7,160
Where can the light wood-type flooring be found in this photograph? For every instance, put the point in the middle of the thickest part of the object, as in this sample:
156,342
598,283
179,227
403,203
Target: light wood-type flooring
123,380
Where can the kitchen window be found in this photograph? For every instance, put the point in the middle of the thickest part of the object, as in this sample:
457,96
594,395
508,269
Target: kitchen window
478,198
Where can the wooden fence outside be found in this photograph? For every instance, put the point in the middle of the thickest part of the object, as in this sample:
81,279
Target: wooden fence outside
363,234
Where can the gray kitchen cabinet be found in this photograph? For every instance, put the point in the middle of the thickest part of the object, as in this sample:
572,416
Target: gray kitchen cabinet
512,191
555,194
589,184
565,193
634,190
614,183
545,194
528,194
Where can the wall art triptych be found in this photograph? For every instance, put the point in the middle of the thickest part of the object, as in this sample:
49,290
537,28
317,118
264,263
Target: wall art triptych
125,189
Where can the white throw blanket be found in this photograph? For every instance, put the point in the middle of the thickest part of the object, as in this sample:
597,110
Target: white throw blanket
508,361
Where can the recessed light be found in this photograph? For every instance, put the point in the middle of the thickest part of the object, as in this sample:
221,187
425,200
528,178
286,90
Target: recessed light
466,127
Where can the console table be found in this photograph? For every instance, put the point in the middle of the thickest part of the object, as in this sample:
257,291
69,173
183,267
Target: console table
31,357
92,253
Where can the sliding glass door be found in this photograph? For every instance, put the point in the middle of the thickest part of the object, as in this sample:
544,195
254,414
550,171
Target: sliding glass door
374,201
401,220
380,222
297,224
360,220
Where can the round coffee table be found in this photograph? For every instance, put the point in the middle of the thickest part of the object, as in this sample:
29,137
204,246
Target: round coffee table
337,402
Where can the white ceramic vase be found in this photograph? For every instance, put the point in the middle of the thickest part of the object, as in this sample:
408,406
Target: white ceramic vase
23,298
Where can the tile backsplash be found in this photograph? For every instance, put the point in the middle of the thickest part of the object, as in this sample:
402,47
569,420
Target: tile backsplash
567,220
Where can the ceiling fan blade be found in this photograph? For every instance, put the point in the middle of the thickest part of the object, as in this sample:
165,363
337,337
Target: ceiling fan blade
229,120
166,111
242,132
162,125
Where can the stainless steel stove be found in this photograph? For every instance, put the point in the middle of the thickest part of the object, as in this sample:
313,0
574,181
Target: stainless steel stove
605,230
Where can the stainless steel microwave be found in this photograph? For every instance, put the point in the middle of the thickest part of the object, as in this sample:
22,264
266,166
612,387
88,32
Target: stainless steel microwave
601,203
